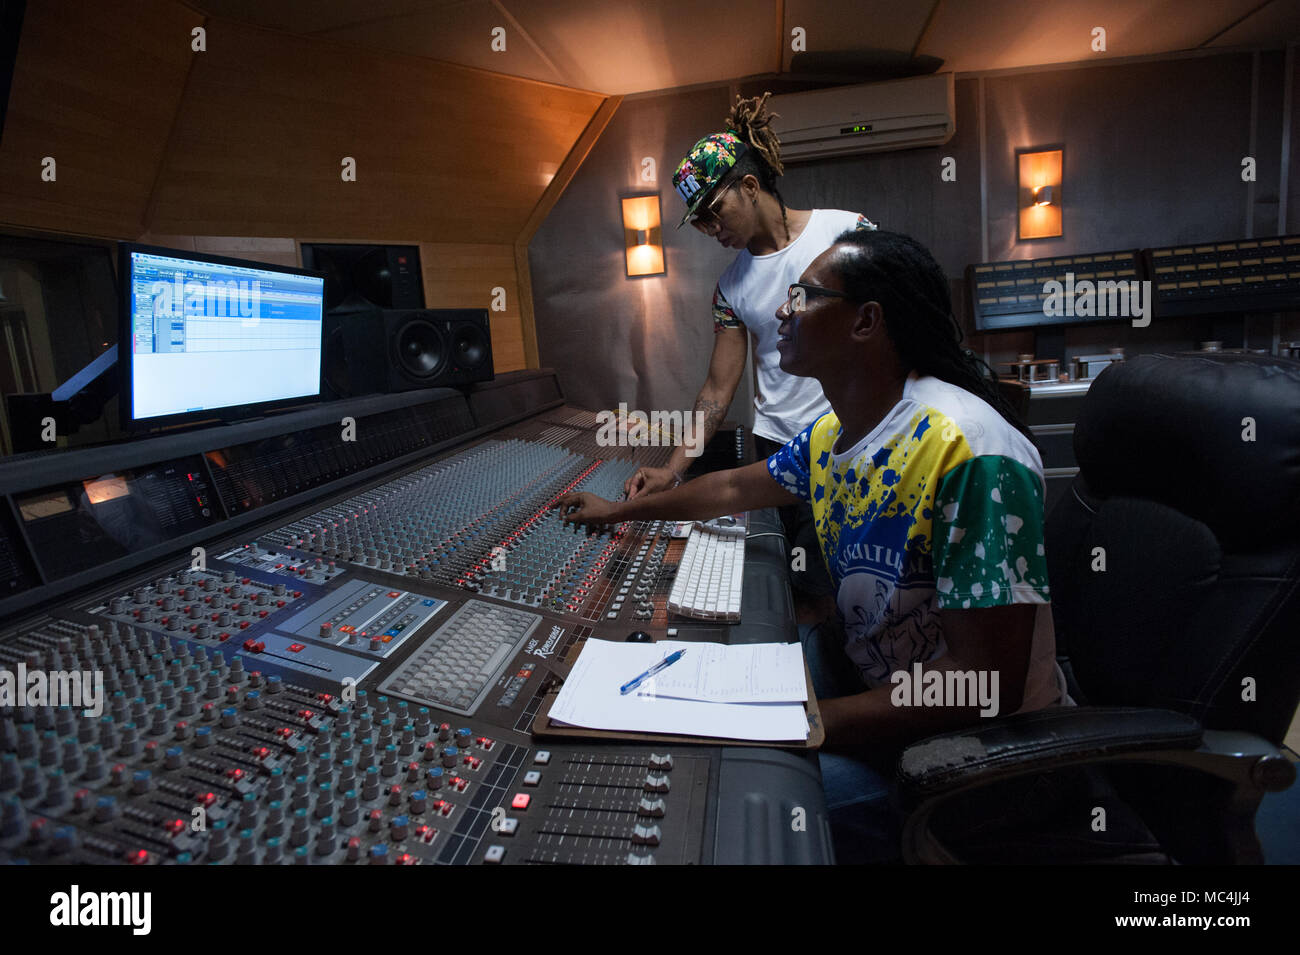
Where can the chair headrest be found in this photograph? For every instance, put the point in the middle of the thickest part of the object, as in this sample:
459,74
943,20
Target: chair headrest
1216,436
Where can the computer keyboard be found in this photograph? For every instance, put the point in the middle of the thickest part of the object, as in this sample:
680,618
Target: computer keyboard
710,575
459,663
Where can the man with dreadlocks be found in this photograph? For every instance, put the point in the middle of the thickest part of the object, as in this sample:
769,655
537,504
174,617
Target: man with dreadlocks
728,181
928,497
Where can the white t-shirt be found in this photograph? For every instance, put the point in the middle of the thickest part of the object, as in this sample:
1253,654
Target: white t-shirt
750,292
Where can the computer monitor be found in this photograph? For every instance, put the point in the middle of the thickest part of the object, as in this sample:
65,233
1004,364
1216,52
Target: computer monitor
208,337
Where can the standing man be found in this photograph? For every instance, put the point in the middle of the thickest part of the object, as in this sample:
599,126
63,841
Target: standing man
728,181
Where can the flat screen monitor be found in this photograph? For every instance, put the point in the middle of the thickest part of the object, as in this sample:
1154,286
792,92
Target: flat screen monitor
208,337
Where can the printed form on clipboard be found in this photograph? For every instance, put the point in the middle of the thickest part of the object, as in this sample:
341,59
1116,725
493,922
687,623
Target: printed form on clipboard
752,692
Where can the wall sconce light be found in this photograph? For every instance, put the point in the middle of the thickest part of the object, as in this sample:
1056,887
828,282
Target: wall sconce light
1039,174
643,236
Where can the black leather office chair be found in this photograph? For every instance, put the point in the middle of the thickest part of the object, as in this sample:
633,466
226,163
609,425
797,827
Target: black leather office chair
1182,652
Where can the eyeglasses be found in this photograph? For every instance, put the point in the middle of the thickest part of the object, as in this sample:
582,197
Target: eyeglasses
798,294
705,219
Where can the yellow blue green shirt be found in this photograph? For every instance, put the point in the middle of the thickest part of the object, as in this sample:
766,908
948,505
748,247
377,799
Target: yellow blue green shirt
939,508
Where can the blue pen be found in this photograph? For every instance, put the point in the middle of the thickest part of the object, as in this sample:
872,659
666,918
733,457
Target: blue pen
667,661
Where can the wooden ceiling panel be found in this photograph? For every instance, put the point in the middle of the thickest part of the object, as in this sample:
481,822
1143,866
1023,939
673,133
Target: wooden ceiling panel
1279,19
457,33
440,150
651,44
318,16
96,88
873,28
642,45
999,34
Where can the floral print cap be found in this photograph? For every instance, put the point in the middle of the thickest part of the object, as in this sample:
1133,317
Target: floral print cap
708,161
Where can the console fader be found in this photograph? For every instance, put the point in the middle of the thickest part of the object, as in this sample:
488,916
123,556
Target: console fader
350,676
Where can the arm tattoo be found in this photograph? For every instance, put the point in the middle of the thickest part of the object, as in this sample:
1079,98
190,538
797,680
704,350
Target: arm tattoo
714,412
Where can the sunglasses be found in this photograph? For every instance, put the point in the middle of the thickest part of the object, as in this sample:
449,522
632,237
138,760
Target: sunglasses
704,219
798,294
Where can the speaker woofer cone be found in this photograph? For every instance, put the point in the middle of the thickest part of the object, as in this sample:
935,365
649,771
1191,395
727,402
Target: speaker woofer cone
421,349
469,345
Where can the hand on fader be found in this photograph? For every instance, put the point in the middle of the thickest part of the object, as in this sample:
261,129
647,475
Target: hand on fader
649,481
583,508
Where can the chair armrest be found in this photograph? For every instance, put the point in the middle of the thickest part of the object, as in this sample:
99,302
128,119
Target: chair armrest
1041,741
947,767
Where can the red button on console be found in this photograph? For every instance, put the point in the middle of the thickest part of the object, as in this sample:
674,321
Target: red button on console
521,801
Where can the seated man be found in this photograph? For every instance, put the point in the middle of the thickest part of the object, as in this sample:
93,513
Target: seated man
927,495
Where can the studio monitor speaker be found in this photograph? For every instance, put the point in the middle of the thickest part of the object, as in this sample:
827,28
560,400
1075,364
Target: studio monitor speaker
373,350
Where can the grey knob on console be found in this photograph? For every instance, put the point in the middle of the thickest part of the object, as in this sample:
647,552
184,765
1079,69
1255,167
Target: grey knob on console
324,800
325,836
274,823
219,840
370,784
9,774
351,809
274,854
301,797
94,763
246,854
389,765
56,790
300,832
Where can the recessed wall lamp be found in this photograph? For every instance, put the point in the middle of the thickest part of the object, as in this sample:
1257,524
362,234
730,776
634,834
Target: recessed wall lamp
1039,174
643,236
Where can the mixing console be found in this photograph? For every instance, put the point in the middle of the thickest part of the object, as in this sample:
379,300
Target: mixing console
355,681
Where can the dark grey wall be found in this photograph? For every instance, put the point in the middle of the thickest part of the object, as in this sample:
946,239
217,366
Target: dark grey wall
1153,156
1293,183
645,341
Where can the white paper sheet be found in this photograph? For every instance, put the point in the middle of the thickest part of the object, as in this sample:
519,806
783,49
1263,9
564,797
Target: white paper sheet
590,697
717,673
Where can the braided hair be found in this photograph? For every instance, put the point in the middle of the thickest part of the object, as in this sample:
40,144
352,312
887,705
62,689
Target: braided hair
750,121
901,274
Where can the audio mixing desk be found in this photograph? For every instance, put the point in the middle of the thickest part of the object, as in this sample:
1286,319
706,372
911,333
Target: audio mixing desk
323,643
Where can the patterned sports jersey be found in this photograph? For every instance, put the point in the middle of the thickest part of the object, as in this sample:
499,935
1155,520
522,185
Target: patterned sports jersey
939,507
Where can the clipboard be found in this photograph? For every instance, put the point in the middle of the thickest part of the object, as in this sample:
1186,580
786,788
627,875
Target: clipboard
543,728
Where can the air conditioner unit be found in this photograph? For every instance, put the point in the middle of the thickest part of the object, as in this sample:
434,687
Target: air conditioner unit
870,117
